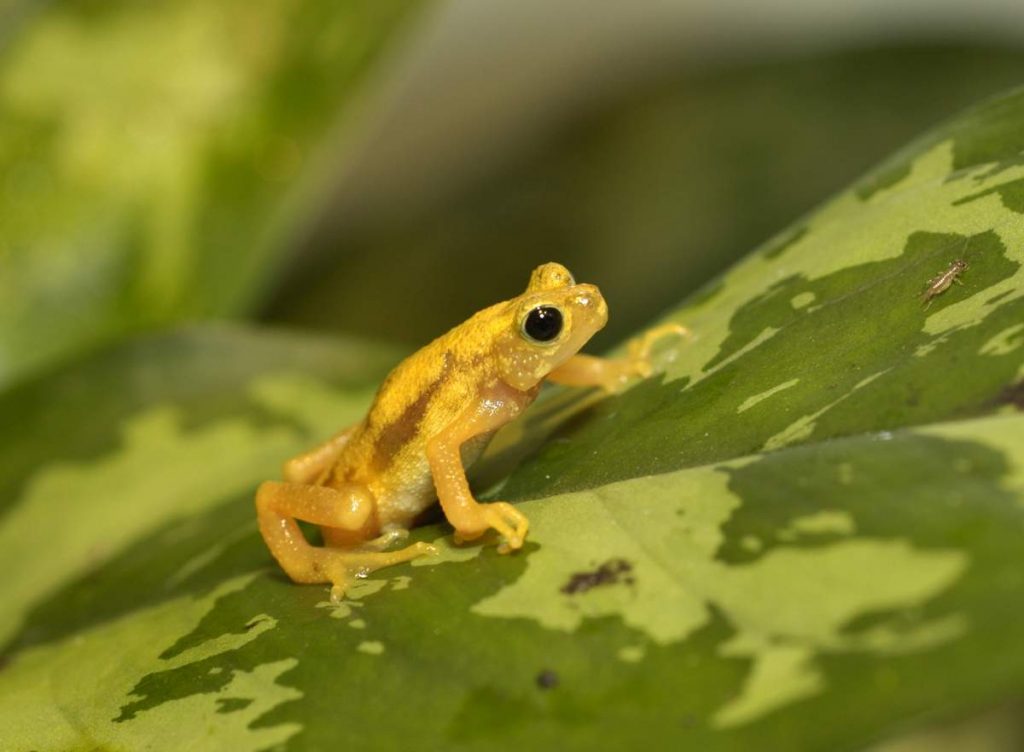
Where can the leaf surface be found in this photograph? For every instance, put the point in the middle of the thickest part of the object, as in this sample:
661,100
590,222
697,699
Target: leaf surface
805,533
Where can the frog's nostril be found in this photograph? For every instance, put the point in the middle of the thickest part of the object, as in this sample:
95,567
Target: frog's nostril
588,297
588,300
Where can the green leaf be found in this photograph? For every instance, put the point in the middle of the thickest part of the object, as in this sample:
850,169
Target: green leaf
154,156
804,534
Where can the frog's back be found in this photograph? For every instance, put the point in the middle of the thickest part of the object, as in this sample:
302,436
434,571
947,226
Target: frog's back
424,394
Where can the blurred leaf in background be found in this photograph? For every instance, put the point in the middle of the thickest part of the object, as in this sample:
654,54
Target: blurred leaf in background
155,156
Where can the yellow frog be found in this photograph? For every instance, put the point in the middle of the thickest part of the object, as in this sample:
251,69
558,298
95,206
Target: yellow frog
431,418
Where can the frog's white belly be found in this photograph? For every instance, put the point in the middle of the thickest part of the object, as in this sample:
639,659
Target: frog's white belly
404,494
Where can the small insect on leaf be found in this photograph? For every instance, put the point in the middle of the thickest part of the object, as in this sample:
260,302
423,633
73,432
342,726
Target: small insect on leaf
940,283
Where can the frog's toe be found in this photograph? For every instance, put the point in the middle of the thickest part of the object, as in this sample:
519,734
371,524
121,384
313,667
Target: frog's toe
423,549
642,367
338,592
340,579
510,523
670,329
640,360
642,346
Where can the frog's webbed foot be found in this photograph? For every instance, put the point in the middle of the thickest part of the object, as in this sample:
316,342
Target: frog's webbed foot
500,516
341,568
613,374
279,505
638,362
470,518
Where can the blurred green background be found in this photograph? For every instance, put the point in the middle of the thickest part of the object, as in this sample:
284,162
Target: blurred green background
385,168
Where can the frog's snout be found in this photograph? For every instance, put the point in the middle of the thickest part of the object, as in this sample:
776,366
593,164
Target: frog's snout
590,303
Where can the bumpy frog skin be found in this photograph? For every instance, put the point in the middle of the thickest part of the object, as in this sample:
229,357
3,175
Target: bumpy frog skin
431,418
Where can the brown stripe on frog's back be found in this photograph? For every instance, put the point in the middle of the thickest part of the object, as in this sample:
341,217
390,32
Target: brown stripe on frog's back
393,436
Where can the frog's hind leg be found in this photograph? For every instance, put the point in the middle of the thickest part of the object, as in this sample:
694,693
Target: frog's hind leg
350,508
307,467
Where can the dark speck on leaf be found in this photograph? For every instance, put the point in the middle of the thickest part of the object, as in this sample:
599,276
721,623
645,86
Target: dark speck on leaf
254,622
609,573
547,679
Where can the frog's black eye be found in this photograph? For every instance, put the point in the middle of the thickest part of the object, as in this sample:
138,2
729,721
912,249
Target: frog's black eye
543,324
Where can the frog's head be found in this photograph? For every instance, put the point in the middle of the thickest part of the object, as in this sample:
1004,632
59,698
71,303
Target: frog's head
550,323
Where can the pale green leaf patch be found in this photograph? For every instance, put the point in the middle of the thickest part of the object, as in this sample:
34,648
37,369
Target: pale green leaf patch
1005,434
75,516
783,674
1004,342
787,605
751,401
827,521
631,653
371,647
802,300
67,695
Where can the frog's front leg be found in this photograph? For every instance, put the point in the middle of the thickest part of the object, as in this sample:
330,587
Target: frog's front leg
350,508
470,518
611,374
